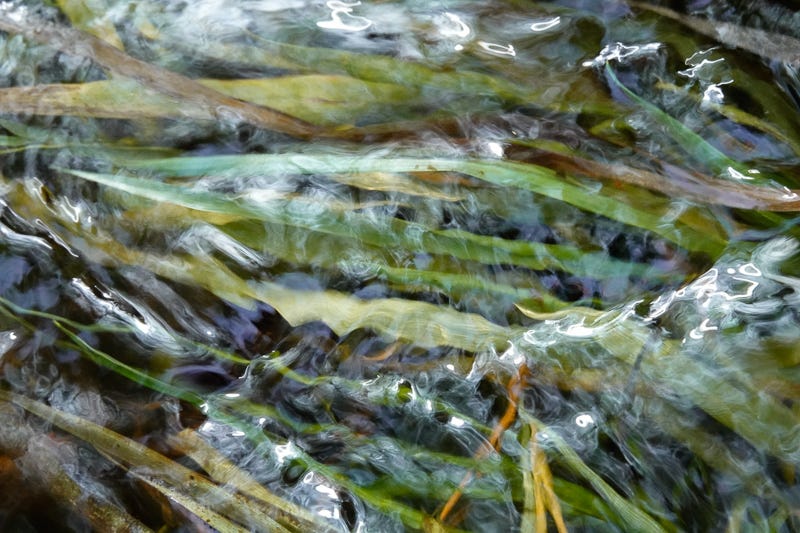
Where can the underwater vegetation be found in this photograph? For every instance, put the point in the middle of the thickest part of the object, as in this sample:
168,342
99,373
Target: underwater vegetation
399,266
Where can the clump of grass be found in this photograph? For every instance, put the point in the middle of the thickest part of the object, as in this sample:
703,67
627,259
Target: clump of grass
448,323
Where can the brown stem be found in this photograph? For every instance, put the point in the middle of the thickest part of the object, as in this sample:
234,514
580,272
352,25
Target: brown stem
514,388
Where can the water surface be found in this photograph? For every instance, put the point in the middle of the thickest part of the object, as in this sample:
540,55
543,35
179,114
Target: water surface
372,266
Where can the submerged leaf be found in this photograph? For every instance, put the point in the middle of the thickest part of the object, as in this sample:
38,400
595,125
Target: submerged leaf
191,93
630,515
225,472
43,463
691,185
697,147
769,45
389,233
161,472
535,178
419,323
92,17
320,100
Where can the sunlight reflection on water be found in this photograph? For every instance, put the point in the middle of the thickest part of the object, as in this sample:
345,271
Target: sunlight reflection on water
498,49
343,19
452,26
545,24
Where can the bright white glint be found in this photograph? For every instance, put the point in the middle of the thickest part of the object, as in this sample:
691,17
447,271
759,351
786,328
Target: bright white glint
327,491
704,326
496,149
618,51
458,47
546,24
661,304
498,49
733,173
749,269
451,368
70,210
713,94
283,452
694,71
584,421
12,336
232,395
457,422
237,433
341,19
458,28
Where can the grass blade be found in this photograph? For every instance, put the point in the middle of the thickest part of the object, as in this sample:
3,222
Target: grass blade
43,464
632,516
391,233
535,178
190,92
697,147
91,17
225,472
318,100
769,45
193,487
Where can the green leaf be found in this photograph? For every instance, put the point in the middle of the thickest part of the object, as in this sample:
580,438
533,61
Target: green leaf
633,517
759,418
169,477
92,17
697,147
389,233
321,100
535,178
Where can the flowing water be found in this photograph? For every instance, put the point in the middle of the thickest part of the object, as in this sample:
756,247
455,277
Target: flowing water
395,266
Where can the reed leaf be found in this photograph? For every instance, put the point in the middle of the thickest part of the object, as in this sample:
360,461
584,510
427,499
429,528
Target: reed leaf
171,477
391,233
759,418
195,506
691,185
788,136
534,178
768,45
225,472
438,84
633,517
419,323
317,99
91,16
43,463
155,78
697,147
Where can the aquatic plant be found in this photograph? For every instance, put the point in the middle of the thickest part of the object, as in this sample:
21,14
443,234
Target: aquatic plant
503,266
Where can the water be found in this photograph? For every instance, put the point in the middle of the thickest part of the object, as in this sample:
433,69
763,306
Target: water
365,266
